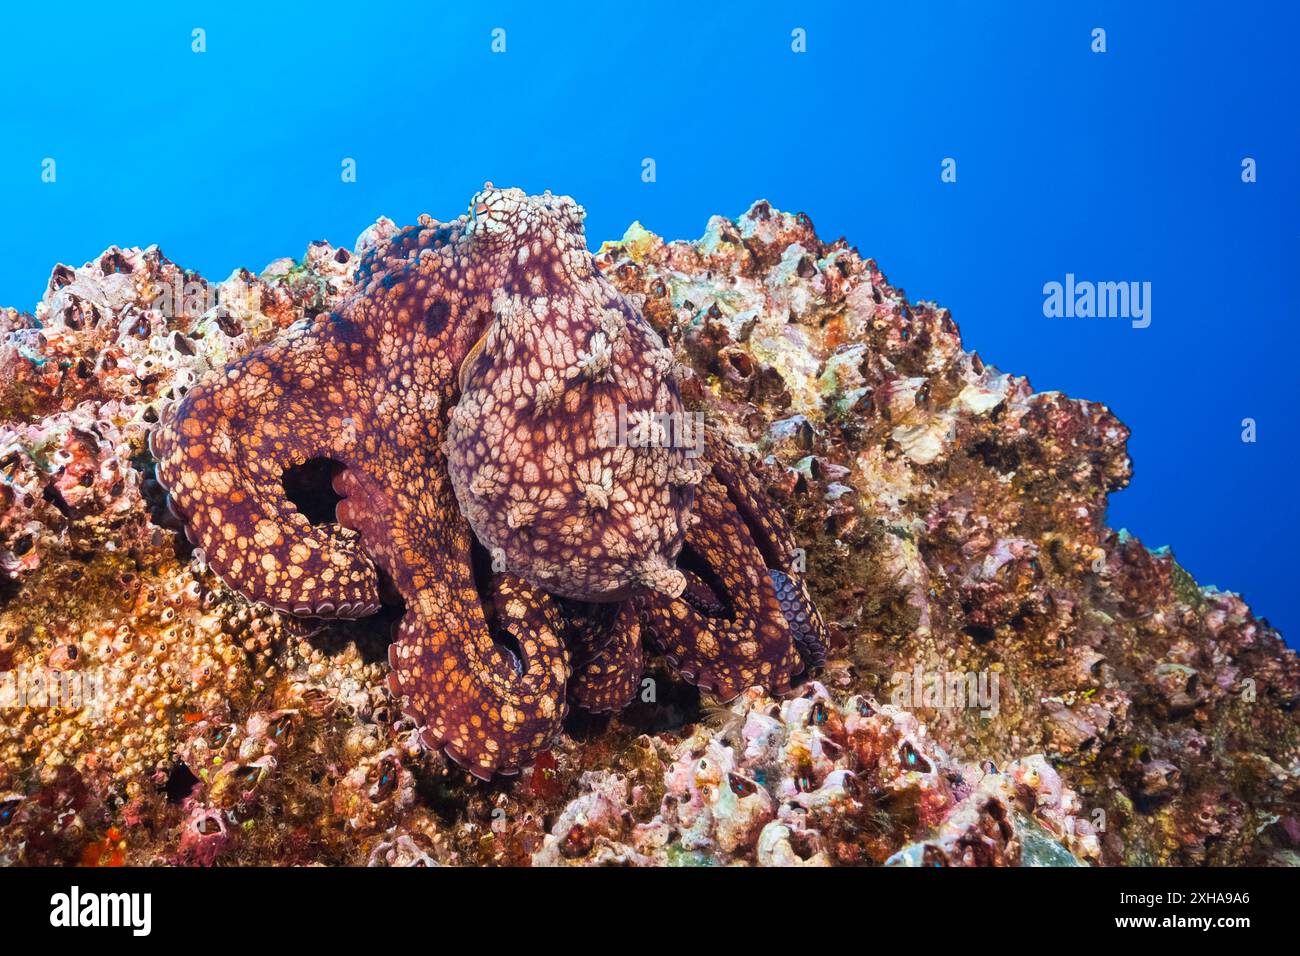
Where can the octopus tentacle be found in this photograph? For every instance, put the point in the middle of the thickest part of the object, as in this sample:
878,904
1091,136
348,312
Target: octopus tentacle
222,457
806,626
738,622
784,561
605,640
491,705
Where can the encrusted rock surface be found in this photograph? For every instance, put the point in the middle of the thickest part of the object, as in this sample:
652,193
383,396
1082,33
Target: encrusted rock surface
1111,710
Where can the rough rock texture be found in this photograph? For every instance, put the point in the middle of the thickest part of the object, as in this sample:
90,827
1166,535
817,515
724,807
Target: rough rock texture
1008,680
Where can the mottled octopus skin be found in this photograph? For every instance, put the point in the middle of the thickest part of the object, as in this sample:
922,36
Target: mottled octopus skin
533,447
745,617
371,387
605,641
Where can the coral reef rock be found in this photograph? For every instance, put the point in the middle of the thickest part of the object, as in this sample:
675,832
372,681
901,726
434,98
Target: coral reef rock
1006,680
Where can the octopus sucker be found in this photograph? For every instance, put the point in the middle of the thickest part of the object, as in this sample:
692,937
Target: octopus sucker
492,411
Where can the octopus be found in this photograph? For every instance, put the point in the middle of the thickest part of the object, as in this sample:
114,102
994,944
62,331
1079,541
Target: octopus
514,470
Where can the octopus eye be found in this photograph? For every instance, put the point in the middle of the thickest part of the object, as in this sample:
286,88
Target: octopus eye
7,809
913,760
819,713
740,786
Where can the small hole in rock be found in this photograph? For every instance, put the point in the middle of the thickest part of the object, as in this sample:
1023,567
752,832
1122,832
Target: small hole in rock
180,783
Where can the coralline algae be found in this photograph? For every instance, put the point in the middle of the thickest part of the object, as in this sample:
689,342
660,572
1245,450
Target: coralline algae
951,519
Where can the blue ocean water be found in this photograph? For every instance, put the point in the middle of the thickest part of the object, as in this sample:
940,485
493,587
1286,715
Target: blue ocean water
1117,166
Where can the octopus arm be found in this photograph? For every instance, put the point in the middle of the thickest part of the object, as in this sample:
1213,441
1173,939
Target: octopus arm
776,544
744,612
491,697
222,455
607,656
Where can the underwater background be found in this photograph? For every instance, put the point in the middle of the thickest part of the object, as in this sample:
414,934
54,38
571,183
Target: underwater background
1117,166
